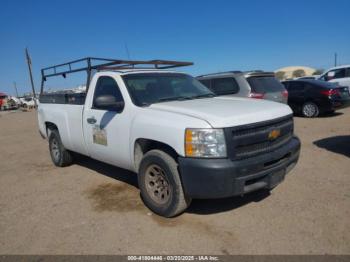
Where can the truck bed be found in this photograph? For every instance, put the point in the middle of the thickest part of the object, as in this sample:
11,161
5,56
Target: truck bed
66,112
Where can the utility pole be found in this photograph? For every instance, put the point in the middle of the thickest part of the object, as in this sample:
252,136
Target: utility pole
335,59
29,62
15,86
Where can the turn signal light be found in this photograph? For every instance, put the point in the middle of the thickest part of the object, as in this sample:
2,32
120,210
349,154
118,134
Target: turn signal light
285,93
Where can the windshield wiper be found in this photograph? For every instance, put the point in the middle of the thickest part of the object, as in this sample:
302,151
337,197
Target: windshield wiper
204,96
178,98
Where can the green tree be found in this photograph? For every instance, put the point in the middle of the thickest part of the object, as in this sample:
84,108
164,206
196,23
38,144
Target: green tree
319,71
281,75
299,73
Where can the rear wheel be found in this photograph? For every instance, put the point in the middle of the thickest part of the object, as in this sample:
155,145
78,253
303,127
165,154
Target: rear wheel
310,109
60,156
160,184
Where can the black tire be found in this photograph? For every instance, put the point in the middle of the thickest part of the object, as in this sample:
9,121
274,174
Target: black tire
60,156
175,201
310,109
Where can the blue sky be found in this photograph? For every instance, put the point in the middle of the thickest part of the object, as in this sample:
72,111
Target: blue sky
215,35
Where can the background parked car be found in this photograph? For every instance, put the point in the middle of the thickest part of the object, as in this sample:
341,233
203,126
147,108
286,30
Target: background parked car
27,102
254,84
339,74
313,97
16,100
313,77
8,102
12,103
3,101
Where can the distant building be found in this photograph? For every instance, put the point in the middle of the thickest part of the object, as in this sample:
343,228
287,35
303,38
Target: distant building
294,71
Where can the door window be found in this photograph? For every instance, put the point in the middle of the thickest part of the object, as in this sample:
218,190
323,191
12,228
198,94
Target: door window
224,86
335,74
107,86
347,74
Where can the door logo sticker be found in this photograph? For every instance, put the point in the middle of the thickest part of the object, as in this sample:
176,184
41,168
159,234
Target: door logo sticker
99,135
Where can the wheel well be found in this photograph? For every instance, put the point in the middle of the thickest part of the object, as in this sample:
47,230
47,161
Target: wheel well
142,146
50,126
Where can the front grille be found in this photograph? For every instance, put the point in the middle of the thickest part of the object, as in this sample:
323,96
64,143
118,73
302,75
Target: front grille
253,139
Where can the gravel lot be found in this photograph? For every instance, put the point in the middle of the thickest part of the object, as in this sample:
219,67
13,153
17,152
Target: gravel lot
93,208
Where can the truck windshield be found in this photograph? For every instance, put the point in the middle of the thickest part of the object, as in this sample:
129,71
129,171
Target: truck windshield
149,88
266,84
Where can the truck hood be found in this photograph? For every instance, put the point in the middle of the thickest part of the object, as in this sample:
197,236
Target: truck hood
226,111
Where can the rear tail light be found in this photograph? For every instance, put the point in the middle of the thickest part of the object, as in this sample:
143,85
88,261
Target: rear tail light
256,95
330,92
285,93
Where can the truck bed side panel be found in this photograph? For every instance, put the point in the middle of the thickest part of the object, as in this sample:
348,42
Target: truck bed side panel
68,119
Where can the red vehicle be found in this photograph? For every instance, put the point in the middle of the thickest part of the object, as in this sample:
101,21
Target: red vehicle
3,101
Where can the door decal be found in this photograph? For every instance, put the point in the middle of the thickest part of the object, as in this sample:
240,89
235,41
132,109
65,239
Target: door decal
99,135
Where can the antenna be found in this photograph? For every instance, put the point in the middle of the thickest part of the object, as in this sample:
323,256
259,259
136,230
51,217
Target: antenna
127,50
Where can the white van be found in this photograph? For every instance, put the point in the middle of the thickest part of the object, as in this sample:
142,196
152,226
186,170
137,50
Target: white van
339,74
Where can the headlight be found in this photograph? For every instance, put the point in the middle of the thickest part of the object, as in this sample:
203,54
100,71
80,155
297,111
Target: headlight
208,143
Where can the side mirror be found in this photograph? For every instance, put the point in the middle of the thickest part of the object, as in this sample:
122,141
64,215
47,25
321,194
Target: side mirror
108,102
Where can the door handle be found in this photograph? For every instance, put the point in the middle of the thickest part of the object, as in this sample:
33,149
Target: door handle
91,120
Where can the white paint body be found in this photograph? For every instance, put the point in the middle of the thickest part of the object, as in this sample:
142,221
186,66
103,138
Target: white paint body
163,122
28,102
342,81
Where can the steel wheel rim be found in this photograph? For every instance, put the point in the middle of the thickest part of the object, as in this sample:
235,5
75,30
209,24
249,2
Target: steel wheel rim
55,150
157,185
309,110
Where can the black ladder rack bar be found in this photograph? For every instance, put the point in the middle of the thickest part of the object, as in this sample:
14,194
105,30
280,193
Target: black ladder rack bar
95,63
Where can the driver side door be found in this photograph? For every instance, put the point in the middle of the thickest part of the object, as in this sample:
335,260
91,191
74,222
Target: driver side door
105,130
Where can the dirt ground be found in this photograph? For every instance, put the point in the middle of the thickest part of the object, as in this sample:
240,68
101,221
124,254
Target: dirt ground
93,208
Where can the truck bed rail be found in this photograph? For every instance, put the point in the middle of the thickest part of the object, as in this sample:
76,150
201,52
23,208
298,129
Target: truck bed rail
92,63
73,99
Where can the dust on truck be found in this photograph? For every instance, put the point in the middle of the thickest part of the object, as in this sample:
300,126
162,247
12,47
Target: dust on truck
181,140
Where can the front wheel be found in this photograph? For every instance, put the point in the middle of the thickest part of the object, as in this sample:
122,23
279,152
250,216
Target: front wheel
310,109
160,184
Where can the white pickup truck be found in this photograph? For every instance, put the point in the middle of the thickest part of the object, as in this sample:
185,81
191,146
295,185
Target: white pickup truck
181,140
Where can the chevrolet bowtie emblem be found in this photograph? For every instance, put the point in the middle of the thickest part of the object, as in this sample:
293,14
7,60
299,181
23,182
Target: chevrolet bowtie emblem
274,134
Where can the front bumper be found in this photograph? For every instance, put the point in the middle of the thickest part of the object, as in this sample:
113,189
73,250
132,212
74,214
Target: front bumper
219,178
